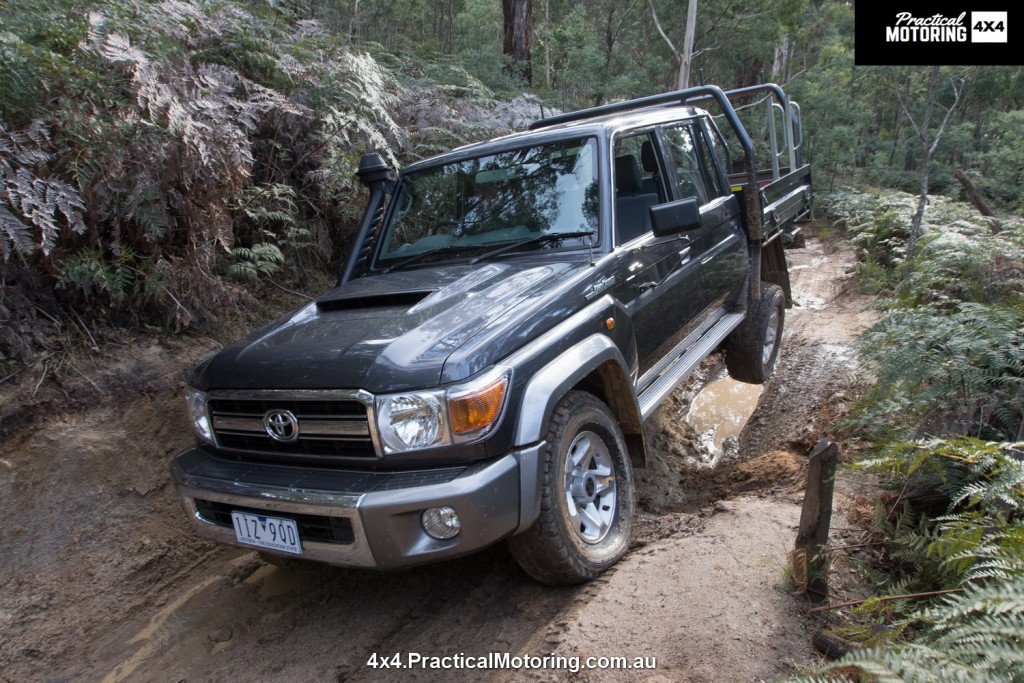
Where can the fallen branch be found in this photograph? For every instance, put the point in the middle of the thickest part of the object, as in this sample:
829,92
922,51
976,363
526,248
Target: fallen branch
833,647
95,346
886,598
290,291
94,385
973,193
46,368
10,376
869,544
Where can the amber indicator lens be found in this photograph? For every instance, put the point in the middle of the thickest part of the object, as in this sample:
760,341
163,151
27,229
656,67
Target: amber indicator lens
477,410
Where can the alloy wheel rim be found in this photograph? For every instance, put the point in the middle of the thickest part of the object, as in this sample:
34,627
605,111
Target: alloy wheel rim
589,485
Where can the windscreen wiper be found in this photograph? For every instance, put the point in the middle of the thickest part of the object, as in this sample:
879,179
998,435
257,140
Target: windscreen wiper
451,248
537,239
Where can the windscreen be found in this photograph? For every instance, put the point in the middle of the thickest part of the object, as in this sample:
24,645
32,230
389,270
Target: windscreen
477,204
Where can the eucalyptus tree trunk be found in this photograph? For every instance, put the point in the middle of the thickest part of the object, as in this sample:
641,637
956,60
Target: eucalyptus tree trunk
780,66
517,16
685,63
928,147
547,44
685,58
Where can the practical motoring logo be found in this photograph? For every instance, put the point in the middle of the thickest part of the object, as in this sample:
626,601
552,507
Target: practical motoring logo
984,27
948,32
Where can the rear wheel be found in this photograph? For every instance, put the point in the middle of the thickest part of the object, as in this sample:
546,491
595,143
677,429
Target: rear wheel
586,516
753,347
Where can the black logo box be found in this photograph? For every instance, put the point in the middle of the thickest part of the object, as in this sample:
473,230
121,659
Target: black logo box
872,48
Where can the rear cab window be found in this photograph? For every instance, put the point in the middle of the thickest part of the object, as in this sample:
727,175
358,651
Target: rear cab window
694,170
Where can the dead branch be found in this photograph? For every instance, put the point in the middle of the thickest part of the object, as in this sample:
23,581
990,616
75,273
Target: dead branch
886,598
657,25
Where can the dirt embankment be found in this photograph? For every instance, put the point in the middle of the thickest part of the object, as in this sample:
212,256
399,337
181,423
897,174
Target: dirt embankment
101,580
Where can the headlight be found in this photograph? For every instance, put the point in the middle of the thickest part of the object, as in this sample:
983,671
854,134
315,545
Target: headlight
411,421
195,405
426,419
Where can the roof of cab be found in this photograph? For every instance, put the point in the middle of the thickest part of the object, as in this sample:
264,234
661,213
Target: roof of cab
606,124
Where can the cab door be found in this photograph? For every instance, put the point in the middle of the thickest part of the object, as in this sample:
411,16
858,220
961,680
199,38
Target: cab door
718,247
656,272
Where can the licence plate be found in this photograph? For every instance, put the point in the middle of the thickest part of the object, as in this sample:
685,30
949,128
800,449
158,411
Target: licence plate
272,533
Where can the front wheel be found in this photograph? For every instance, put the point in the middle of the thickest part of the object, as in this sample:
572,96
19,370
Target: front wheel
586,515
753,347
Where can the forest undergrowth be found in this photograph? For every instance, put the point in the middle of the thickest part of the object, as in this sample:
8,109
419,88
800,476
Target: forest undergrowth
160,163
939,417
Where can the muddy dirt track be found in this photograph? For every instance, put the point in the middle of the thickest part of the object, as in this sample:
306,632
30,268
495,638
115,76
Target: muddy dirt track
100,580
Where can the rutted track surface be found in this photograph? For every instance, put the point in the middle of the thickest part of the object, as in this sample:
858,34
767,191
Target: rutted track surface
101,580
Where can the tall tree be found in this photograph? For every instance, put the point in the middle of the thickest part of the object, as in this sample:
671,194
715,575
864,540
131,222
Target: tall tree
684,58
929,141
518,25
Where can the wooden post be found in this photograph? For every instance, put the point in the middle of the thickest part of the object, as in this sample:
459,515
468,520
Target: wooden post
810,567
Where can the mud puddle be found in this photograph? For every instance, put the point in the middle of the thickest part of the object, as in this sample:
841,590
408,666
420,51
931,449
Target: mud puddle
720,411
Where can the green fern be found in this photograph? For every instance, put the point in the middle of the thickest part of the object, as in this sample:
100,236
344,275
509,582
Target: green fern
262,260
977,636
978,547
95,278
958,371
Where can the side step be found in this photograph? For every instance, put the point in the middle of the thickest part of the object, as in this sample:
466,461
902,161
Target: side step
651,397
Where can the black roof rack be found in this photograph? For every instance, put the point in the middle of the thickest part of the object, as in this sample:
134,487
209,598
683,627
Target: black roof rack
677,97
661,100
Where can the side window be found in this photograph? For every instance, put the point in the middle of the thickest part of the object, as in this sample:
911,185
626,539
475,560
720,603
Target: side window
694,172
706,150
718,145
638,185
638,148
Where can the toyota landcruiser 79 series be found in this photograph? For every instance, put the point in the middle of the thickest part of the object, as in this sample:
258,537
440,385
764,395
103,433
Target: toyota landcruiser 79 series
509,314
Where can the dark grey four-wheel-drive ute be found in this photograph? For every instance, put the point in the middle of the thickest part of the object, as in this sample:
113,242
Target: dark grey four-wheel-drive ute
508,316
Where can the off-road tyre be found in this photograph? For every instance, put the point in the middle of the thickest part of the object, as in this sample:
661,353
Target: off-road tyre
585,459
753,347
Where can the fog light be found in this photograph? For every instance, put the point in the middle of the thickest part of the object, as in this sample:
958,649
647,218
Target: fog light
441,523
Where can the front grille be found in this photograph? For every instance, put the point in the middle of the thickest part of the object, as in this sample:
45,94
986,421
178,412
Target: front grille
318,528
327,428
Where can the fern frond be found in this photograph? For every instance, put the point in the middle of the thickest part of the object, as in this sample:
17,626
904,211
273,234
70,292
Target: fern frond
33,202
15,236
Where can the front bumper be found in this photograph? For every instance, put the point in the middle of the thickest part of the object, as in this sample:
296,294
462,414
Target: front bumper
376,513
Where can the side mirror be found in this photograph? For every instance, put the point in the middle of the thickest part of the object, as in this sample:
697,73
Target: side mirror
675,217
